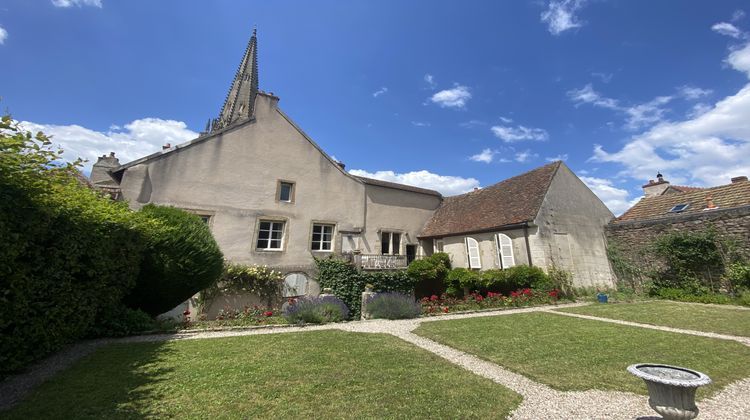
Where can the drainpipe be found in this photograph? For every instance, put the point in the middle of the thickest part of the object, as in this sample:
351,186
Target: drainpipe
526,238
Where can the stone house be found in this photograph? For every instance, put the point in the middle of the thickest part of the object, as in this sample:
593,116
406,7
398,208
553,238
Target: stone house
272,196
665,207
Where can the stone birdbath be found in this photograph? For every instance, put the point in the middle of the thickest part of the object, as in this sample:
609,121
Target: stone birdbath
671,389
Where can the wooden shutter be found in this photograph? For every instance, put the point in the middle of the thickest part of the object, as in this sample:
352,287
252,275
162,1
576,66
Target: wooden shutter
472,250
505,251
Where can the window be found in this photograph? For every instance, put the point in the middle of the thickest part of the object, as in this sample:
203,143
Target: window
295,284
438,245
505,250
680,207
390,243
204,218
322,238
270,234
472,250
286,191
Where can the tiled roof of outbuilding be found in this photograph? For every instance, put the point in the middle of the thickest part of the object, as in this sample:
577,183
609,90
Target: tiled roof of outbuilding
404,187
725,196
513,201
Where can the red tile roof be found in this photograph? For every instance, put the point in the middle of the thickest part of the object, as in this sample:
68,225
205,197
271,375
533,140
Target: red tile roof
725,196
513,201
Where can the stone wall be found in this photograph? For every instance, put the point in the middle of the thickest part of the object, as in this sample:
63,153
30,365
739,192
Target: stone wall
633,236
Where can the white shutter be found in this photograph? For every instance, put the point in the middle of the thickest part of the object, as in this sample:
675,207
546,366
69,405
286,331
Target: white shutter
472,247
505,250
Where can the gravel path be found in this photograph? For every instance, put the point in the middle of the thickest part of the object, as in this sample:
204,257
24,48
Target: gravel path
540,401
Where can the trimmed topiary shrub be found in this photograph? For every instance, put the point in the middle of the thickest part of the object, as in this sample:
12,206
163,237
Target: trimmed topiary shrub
462,279
66,253
181,258
316,310
429,274
120,321
393,305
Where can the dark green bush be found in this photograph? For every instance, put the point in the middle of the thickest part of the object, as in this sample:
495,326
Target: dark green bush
460,279
181,258
348,284
66,252
120,321
393,305
429,274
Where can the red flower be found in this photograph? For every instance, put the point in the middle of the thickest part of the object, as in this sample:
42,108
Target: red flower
268,313
187,312
553,293
526,292
479,298
514,294
434,298
445,309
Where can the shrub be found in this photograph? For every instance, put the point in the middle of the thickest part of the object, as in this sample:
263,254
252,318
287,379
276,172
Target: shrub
119,321
737,275
348,284
460,279
429,273
316,310
684,296
66,253
239,278
393,305
181,259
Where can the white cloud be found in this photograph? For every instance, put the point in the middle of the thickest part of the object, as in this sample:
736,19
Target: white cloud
727,29
519,133
563,157
135,140
486,156
560,15
420,124
604,77
452,98
447,185
699,109
692,92
707,149
637,116
506,120
79,3
525,156
617,199
3,35
379,92
738,14
472,123
430,80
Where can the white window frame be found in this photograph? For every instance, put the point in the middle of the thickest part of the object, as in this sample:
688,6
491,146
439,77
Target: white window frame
473,255
292,190
438,245
391,234
322,240
505,250
272,228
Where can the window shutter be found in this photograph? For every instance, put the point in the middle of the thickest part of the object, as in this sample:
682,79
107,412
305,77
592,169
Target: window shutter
472,247
505,250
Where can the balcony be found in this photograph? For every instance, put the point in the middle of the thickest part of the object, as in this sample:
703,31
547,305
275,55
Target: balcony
380,262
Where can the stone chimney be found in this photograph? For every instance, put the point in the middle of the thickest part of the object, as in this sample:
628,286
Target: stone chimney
100,170
738,179
166,146
655,188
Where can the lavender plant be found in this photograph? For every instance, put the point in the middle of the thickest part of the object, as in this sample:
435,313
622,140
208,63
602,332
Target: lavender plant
393,305
316,310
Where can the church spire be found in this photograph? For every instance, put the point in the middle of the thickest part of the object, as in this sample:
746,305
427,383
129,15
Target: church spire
240,100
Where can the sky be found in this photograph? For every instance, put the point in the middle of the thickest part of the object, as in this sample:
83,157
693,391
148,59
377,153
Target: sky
440,94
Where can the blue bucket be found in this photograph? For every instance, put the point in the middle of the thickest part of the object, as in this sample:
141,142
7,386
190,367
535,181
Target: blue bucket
602,298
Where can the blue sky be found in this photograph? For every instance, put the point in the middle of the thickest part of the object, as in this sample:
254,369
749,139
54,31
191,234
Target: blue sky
440,94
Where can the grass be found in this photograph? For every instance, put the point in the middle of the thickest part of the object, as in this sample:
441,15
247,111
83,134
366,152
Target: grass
577,354
724,320
296,375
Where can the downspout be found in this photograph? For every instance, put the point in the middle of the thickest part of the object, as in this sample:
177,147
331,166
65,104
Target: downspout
526,238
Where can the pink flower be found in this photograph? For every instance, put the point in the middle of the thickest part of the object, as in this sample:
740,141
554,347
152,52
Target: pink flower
445,309
434,298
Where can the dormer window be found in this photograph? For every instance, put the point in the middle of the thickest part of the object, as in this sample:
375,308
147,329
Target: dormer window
285,192
679,208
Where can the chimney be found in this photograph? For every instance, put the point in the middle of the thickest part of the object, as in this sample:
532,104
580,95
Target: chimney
166,146
100,170
710,203
738,179
342,165
655,188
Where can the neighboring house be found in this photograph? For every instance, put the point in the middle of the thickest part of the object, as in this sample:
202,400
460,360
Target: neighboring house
665,208
271,196
545,217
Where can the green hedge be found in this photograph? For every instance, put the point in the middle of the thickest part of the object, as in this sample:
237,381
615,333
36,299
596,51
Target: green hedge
429,274
504,281
348,284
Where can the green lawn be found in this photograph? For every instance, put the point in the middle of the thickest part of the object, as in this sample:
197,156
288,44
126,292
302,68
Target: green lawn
724,320
321,374
577,354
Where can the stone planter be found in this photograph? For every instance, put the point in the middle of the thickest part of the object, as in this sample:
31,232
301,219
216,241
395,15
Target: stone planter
671,389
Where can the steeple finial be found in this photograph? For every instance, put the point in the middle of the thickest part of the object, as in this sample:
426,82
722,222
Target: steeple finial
240,101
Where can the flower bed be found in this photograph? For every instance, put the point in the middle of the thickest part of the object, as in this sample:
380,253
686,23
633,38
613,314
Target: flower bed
247,317
435,305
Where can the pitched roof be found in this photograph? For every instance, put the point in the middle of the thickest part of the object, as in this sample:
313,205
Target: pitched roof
725,196
386,184
685,188
513,201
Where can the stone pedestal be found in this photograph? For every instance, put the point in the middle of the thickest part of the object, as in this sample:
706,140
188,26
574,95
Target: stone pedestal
366,296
